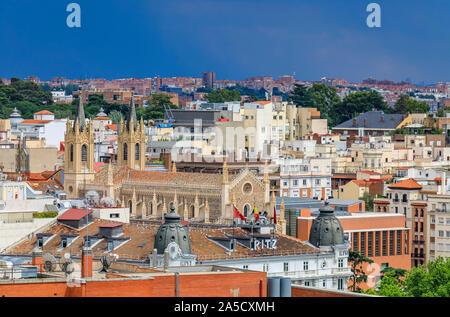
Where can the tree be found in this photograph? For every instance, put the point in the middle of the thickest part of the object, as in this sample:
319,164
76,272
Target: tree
391,286
401,106
357,262
302,96
223,95
368,200
359,102
430,280
325,99
156,107
406,104
116,116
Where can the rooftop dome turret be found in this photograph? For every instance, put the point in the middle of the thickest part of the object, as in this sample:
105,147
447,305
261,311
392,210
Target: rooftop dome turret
172,231
326,229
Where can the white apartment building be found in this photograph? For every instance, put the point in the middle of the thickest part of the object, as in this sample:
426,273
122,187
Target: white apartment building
306,178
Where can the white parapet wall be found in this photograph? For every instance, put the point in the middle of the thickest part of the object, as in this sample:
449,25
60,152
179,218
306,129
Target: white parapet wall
11,233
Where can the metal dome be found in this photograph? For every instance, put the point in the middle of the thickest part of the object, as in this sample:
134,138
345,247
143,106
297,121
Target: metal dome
172,231
326,229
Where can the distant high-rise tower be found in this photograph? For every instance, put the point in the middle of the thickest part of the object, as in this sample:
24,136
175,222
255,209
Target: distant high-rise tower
209,79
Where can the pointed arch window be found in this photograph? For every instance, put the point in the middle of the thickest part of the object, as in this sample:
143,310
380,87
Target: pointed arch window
125,152
84,153
137,153
71,152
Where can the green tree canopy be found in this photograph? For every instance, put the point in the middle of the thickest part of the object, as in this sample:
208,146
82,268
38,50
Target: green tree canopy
357,262
155,109
27,96
359,102
302,96
406,104
223,95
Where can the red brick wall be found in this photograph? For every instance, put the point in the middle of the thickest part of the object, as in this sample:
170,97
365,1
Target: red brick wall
250,284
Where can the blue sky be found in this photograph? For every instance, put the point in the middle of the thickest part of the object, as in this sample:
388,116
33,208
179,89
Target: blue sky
234,38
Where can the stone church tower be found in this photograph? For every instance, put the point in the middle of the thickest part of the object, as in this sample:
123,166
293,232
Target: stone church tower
131,141
79,153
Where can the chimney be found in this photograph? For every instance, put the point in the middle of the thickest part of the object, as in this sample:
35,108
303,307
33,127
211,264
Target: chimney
444,183
354,122
86,262
403,117
382,118
38,259
365,122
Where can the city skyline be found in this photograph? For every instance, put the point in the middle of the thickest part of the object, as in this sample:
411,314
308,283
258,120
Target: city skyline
174,38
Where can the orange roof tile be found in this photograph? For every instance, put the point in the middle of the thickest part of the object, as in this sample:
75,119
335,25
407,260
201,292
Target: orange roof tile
112,126
30,121
406,184
44,112
370,172
102,118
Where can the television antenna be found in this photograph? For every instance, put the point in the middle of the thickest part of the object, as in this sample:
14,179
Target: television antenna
49,262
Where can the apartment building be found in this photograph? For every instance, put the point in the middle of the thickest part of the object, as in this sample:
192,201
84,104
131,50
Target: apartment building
306,178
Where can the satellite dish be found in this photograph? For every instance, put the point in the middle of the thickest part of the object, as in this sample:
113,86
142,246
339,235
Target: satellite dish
49,262
65,264
106,262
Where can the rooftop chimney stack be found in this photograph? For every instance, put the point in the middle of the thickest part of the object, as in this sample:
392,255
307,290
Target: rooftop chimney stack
38,259
86,262
365,122
382,118
355,123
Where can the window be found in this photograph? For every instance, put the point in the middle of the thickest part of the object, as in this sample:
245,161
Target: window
340,284
265,267
245,267
307,283
363,246
384,243
295,182
377,243
391,242
324,283
286,266
305,266
399,241
317,181
441,233
114,216
71,152
355,241
84,153
340,263
369,244
137,154
125,152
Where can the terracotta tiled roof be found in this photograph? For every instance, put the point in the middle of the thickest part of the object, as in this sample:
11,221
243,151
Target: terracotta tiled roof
44,112
30,121
74,214
406,184
98,166
112,126
265,102
174,178
370,172
43,185
142,239
101,118
364,183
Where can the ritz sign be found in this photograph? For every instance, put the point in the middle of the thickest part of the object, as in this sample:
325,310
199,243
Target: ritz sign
264,244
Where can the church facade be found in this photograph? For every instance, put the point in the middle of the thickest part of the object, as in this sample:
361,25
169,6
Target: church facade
199,197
